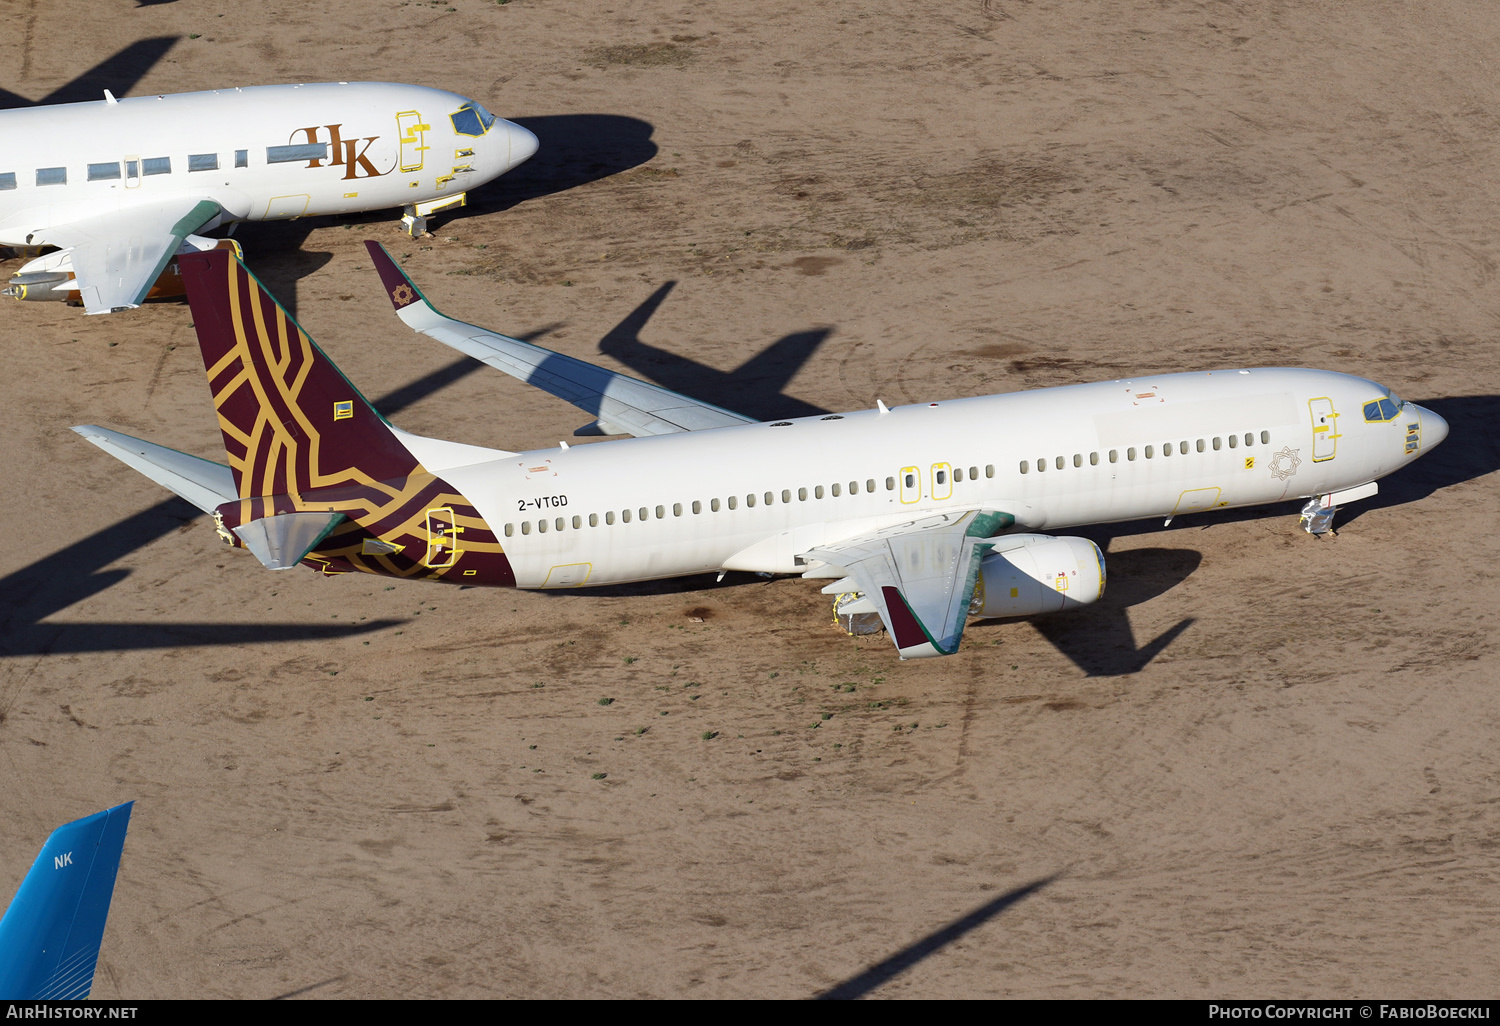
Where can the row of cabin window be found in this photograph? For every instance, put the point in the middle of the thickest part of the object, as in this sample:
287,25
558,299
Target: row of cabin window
111,170
940,477
1167,449
733,502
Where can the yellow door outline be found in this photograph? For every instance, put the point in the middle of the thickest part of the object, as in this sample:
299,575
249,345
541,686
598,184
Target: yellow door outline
411,132
1195,499
442,538
1325,428
942,481
911,485
287,207
568,575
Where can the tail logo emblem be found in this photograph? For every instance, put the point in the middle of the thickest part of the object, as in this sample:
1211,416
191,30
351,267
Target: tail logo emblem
403,295
343,410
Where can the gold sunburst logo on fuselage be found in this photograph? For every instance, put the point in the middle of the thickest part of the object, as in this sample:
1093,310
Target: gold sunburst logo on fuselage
1285,463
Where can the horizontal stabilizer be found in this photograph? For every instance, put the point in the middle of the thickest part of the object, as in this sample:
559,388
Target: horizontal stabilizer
281,541
204,483
50,935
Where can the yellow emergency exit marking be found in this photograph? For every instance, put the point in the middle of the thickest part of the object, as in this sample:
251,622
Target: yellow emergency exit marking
1249,462
343,410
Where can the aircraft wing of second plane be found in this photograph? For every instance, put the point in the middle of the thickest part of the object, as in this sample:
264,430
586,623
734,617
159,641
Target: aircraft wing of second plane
117,256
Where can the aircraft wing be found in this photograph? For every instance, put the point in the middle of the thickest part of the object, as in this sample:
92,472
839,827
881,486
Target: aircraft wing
118,256
919,576
621,404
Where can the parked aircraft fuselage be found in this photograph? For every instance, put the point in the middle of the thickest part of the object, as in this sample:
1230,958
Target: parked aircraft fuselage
753,497
260,153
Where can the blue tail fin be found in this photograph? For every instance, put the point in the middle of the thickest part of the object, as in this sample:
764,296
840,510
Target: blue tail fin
49,938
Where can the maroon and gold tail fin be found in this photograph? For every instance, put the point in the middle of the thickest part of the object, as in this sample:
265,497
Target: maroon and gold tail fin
291,421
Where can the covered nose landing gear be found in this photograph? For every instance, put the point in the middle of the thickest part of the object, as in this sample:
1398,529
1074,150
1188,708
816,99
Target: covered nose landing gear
414,215
1317,518
1317,515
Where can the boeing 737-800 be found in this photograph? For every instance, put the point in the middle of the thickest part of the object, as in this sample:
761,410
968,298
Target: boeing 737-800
120,187
923,514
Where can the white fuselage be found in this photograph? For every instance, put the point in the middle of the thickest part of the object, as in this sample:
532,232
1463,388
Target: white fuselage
754,497
371,145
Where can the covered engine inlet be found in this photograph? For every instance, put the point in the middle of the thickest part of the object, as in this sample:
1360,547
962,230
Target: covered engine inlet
1026,574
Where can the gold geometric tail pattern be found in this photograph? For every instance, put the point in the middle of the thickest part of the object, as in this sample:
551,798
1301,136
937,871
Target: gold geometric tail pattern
300,437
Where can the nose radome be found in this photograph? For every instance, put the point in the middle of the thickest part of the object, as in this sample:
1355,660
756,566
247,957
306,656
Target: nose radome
522,143
1434,428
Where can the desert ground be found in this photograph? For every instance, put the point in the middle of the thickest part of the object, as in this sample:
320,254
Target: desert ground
1263,765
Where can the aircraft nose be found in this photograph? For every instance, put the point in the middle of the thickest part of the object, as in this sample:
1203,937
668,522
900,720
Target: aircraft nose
522,143
1434,428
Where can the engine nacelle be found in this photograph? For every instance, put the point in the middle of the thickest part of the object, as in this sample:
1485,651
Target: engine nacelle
1026,574
40,285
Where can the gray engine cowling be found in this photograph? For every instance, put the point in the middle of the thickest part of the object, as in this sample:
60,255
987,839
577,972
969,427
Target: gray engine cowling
1026,574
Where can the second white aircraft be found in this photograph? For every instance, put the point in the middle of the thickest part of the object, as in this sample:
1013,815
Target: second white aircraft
120,187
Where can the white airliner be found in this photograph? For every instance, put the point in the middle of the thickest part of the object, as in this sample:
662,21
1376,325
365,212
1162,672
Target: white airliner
923,515
121,187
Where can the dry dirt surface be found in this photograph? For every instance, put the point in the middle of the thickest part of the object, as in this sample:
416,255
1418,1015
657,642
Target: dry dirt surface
1264,765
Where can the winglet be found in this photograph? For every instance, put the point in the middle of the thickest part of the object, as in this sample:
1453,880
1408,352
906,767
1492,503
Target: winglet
50,935
403,293
913,640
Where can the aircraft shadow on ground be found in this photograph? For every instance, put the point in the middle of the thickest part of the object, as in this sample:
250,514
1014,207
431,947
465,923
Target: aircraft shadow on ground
753,389
883,972
572,150
76,572
1098,638
119,74
67,577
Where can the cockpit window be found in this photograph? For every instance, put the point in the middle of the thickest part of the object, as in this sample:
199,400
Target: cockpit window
1388,408
471,119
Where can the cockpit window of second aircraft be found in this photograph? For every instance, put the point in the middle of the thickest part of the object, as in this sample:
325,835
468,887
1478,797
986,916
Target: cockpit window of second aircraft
471,119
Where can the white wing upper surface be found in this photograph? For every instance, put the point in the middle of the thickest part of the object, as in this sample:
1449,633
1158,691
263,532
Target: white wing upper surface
621,404
118,256
919,576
